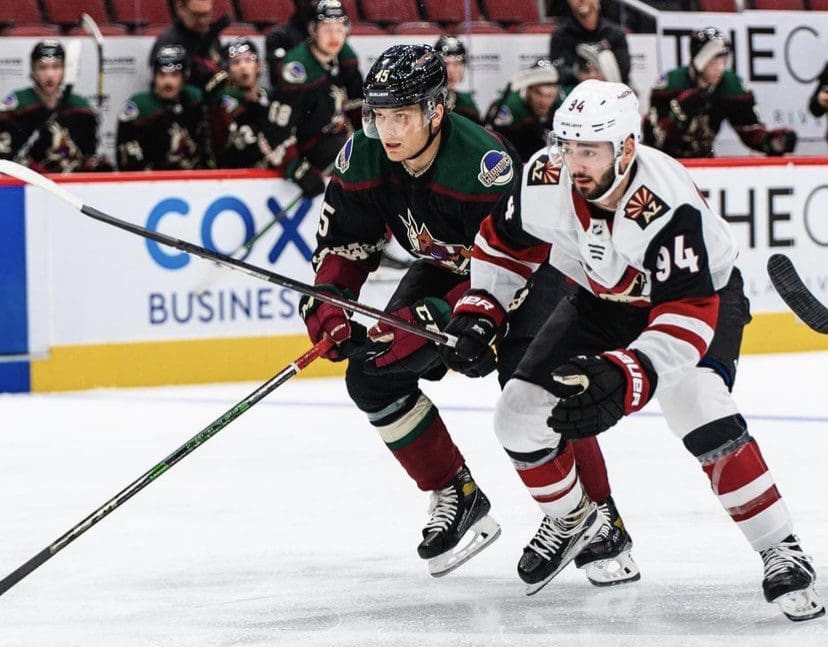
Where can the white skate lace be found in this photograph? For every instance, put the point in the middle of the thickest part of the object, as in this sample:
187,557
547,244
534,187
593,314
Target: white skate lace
778,559
443,509
603,533
553,532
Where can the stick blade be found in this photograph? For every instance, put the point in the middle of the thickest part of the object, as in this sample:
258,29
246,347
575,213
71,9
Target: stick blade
33,178
793,291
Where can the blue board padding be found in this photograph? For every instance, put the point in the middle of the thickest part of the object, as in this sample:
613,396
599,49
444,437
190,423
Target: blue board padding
15,377
14,318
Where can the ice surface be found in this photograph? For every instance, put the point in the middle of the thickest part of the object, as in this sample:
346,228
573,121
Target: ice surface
294,526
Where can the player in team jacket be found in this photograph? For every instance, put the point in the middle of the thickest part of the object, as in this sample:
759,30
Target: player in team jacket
48,128
430,177
659,313
524,113
689,104
251,124
321,80
163,129
454,56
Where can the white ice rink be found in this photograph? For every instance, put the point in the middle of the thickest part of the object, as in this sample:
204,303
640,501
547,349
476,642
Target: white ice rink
294,526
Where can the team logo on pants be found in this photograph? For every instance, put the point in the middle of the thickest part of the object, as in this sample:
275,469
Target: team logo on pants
645,206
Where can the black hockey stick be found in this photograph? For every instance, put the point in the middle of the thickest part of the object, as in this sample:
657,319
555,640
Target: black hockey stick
34,178
148,477
799,298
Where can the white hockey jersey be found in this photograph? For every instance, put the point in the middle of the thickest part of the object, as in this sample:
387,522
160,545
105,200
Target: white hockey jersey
662,249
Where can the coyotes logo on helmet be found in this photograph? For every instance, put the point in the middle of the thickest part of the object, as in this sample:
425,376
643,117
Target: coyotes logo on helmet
543,171
645,206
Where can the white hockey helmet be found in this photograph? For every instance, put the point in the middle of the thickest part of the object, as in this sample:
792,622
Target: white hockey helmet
599,111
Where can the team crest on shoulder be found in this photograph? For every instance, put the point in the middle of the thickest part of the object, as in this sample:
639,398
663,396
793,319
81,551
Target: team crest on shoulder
229,103
504,117
9,102
294,72
129,111
543,171
645,206
495,169
343,159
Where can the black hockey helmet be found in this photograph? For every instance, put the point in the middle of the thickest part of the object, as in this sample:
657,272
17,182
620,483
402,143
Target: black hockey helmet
171,58
705,45
236,47
47,50
330,10
450,46
404,75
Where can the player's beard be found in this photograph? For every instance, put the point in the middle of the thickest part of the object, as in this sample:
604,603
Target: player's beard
604,183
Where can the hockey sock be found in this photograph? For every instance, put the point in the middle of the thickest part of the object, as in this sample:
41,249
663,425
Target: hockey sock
592,471
552,481
746,489
419,440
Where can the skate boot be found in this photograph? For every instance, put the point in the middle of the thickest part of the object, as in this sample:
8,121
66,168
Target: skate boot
457,510
556,543
789,580
607,560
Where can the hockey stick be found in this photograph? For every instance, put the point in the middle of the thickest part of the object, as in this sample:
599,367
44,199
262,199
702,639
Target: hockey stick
91,27
148,477
70,77
799,298
242,251
34,178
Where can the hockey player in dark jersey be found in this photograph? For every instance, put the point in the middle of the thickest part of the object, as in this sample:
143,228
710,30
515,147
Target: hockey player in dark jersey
321,80
163,129
659,314
689,104
453,52
283,38
46,126
429,177
524,113
252,125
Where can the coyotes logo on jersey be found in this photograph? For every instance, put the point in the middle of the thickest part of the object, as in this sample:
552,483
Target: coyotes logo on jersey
645,206
544,171
451,256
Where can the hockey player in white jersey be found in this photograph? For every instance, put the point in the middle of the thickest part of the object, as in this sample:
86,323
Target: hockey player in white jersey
659,313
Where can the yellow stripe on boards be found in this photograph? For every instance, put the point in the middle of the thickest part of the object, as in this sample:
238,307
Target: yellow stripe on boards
257,358
173,362
780,332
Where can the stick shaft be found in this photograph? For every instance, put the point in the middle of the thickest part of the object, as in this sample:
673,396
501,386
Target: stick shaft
149,476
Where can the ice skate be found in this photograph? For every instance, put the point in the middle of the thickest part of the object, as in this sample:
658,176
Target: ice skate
789,580
556,543
607,559
459,526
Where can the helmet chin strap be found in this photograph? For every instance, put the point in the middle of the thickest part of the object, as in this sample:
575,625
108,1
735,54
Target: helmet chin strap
432,134
619,177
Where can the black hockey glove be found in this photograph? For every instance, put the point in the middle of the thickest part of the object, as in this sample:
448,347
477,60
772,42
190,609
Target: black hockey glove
476,322
779,141
596,392
307,176
396,351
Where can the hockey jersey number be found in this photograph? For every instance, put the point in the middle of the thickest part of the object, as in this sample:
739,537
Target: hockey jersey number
684,258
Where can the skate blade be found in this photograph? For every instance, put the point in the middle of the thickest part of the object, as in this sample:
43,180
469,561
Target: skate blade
573,551
484,532
801,605
620,569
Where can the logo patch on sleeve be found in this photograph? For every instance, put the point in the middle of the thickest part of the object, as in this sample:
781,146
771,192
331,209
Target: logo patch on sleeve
128,112
294,72
645,206
543,171
9,102
504,117
343,159
495,169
